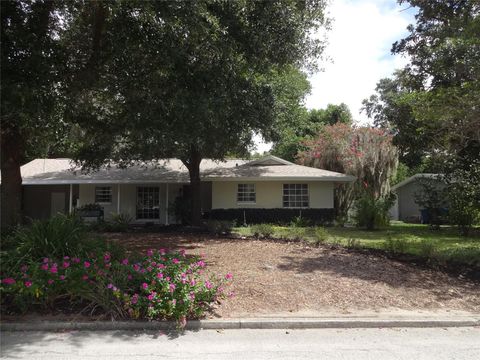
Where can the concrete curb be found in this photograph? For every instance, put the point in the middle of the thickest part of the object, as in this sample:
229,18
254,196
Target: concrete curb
255,323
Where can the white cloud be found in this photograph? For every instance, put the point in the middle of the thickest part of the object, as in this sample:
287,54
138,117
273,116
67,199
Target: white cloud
362,35
359,45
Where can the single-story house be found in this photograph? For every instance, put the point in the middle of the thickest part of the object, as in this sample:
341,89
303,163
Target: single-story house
230,189
405,207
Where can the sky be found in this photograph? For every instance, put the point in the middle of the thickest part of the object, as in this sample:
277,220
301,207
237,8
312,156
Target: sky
359,45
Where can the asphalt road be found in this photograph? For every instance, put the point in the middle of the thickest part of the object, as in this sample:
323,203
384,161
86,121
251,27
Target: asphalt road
358,344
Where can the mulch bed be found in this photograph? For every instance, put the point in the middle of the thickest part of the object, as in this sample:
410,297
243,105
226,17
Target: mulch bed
278,277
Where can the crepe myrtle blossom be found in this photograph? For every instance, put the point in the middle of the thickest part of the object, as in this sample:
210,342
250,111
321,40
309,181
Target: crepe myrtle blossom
54,269
28,284
8,281
86,264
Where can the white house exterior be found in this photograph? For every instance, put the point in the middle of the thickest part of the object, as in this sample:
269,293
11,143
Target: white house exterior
146,191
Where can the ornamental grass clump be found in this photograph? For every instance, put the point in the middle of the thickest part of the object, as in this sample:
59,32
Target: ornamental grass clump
160,285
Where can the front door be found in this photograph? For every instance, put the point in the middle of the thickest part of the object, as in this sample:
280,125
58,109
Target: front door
57,203
148,203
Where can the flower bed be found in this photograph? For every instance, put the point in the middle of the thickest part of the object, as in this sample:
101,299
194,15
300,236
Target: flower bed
160,285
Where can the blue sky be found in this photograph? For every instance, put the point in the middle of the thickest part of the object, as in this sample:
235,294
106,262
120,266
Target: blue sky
359,46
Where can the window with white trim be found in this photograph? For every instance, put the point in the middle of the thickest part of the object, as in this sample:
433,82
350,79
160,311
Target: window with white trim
295,196
246,194
103,194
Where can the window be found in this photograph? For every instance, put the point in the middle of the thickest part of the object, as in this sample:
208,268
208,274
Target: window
295,195
103,194
148,202
246,193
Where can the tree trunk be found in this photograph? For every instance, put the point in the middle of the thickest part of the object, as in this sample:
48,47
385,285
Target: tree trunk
11,188
193,166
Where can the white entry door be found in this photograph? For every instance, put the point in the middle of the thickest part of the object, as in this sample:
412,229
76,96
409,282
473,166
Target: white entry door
58,203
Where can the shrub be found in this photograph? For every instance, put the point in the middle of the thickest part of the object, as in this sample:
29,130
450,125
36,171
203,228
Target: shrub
56,237
320,235
220,227
353,243
396,246
296,233
299,221
427,248
262,230
371,212
159,286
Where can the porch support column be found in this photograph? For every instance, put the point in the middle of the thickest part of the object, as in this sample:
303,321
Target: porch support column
70,200
166,205
118,199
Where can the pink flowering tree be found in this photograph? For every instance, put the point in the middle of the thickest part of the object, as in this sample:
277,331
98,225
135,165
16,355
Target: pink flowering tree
364,152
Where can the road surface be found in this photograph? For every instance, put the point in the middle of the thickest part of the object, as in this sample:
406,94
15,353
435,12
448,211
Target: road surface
358,344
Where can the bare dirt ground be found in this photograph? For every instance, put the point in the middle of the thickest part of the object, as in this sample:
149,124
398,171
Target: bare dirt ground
272,277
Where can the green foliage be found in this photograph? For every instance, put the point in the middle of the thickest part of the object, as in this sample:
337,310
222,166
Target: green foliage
372,213
428,248
464,197
220,227
296,232
299,221
396,246
262,230
353,243
321,235
56,237
159,286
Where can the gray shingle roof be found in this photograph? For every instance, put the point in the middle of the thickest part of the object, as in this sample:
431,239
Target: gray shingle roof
64,171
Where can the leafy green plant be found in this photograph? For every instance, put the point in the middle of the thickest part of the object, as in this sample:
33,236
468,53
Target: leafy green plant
296,233
353,243
428,248
120,222
396,246
299,221
320,235
372,212
262,230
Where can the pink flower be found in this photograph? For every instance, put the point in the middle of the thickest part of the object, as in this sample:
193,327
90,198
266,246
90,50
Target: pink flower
134,299
151,296
53,269
145,286
62,277
192,282
86,264
201,263
106,257
208,284
160,275
45,260
136,267
182,252
149,269
229,276
44,266
172,288
85,277
66,264
161,266
192,296
129,277
109,286
9,281
50,281
28,284
66,257
162,252
125,262
149,252
175,261
76,260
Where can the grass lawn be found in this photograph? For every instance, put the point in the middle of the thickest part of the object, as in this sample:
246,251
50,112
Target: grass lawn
444,244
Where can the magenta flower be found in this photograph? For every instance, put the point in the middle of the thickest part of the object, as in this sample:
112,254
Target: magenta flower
86,264
134,299
54,269
45,260
192,282
149,269
172,288
136,267
125,262
182,252
44,266
106,257
229,276
62,277
145,286
151,296
162,251
208,284
9,281
76,260
66,257
175,261
28,284
85,277
50,281
149,252
201,263
129,277
109,286
160,275
161,266
66,264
